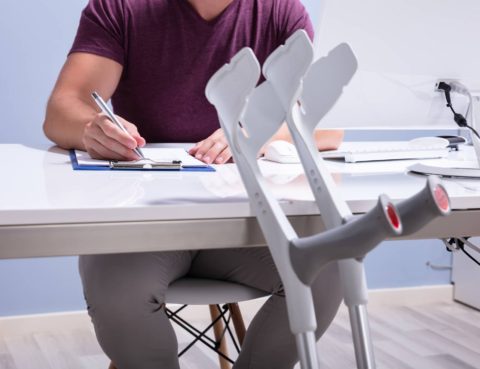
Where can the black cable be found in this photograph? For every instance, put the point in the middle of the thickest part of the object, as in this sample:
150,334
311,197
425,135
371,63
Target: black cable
474,131
457,117
462,247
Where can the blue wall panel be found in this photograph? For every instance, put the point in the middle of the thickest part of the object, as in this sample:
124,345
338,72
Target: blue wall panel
39,286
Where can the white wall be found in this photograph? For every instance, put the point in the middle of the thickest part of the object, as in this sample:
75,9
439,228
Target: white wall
403,47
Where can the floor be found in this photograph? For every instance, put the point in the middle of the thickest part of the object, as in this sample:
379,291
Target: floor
440,336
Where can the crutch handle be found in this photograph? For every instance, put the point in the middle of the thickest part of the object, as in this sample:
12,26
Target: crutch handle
351,240
431,202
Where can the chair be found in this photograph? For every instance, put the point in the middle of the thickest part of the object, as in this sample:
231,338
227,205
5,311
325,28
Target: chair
222,298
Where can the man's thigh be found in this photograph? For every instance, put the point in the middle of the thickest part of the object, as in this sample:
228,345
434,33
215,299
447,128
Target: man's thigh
252,266
142,276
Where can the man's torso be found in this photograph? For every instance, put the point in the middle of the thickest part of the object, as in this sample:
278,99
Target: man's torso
170,53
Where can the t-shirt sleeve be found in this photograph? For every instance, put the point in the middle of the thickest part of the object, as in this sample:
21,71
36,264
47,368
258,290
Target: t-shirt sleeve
292,16
102,30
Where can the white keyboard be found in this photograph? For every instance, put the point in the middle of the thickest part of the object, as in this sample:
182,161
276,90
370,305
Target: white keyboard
395,150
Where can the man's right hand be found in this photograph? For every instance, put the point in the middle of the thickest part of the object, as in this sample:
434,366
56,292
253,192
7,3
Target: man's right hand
104,140
72,120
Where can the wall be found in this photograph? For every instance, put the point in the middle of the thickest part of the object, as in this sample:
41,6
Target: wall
34,40
403,48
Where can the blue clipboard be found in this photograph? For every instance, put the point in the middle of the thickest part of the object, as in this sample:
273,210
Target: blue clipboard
77,166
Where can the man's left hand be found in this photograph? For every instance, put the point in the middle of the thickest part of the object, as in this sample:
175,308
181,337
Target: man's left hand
212,150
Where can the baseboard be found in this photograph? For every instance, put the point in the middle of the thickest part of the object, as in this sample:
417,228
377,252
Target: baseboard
24,324
411,296
80,320
422,295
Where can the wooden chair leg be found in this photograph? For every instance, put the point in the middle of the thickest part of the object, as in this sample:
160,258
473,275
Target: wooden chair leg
218,330
238,323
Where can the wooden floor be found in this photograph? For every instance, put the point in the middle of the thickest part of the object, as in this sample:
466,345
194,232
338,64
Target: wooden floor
442,336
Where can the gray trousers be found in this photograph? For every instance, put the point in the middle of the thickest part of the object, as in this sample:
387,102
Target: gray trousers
125,293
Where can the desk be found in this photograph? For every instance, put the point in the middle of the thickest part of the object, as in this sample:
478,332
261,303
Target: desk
47,209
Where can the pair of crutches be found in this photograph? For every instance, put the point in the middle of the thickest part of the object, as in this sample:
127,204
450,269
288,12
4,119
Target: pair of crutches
300,92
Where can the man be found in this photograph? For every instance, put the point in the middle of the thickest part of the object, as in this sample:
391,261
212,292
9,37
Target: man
154,58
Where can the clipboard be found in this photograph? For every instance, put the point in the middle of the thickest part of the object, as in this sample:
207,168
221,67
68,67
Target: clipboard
141,165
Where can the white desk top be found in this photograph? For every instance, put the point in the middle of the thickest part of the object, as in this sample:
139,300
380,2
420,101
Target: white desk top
39,187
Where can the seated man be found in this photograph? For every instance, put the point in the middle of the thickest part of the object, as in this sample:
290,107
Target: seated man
154,58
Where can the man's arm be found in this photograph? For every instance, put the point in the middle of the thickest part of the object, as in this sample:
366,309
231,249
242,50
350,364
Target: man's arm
72,119
214,149
326,139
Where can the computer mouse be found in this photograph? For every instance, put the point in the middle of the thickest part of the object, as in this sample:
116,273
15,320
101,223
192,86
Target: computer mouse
455,141
281,151
429,141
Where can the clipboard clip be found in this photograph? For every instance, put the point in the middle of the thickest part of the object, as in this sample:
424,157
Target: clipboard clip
146,164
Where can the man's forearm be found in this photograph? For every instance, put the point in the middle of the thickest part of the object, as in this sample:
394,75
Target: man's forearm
65,120
327,139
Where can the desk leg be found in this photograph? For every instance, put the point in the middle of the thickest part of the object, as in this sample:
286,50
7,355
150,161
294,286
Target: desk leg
355,294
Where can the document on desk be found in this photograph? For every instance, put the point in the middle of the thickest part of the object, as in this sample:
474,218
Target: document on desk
156,158
448,168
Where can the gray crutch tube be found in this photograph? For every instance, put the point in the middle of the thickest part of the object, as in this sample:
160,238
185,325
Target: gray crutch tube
351,240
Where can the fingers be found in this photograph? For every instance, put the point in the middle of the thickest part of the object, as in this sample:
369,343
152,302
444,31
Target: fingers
112,131
133,131
213,149
106,140
224,156
97,151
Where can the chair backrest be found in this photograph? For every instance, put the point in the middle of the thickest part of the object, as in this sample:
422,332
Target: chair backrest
202,291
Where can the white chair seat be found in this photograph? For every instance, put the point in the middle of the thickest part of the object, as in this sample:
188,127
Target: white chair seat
198,291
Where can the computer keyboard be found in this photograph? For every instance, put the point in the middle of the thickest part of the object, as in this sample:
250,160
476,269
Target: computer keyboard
394,150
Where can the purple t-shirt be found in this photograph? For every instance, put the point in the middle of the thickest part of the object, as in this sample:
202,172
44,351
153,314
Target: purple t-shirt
169,53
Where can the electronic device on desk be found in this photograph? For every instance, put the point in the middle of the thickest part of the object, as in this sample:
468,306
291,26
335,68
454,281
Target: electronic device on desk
418,148
454,141
283,152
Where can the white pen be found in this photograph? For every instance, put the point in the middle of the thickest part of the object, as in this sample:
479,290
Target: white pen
106,110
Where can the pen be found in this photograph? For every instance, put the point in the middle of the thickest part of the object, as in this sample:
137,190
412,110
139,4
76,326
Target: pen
106,110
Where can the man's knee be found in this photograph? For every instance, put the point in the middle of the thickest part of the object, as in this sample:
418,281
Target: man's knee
115,290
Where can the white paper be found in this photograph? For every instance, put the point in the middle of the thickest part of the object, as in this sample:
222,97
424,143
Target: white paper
170,154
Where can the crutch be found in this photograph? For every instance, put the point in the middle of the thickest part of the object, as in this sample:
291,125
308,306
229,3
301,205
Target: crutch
249,117
306,100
